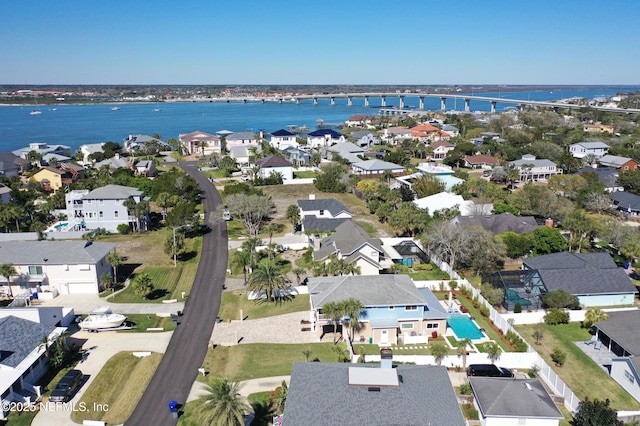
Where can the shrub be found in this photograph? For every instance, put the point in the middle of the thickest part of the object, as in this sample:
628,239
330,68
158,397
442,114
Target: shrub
423,267
466,291
465,389
453,285
559,357
123,228
517,308
476,302
441,285
471,412
556,316
533,371
484,310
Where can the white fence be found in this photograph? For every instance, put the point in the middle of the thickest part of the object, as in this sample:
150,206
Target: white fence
303,181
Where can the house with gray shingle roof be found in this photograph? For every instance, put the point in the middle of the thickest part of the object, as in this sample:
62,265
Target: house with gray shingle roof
499,223
375,167
532,169
395,310
63,266
593,277
23,360
619,333
364,138
322,215
582,149
618,162
507,401
274,164
341,393
242,139
347,151
351,243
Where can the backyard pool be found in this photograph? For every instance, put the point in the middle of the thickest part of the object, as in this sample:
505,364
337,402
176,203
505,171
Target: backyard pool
464,327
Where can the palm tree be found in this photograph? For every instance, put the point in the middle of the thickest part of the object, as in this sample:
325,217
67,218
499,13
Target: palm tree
250,245
334,311
164,201
594,315
7,270
130,204
493,351
241,259
307,353
462,350
143,285
298,272
439,351
293,216
268,277
222,405
271,229
352,308
115,260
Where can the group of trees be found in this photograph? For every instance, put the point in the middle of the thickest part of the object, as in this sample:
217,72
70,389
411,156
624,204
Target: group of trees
351,309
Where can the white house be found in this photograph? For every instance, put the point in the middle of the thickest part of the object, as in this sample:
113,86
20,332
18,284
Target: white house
65,266
348,151
101,208
626,371
375,167
248,139
364,138
274,164
446,201
532,169
200,143
90,148
324,138
441,149
43,149
24,360
395,135
582,149
282,139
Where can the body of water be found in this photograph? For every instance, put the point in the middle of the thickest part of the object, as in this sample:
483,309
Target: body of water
75,125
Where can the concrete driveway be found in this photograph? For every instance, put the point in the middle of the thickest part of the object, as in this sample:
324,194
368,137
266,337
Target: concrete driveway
100,347
86,303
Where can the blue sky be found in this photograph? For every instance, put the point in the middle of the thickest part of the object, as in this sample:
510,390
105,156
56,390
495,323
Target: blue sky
319,42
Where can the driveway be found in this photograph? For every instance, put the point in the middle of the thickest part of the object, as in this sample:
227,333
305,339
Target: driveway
86,303
100,347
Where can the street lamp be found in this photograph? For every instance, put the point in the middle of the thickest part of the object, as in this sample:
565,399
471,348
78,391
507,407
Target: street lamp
175,250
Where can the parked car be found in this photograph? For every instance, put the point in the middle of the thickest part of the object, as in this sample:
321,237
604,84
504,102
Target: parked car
67,386
488,370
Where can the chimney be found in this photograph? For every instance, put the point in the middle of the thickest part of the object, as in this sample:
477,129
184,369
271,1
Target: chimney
548,223
316,242
312,196
117,156
386,358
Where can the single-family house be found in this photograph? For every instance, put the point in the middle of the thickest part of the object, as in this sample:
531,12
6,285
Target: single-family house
441,149
347,151
12,165
593,277
114,163
243,154
598,128
134,143
451,130
24,360
582,149
425,132
90,148
65,266
103,208
297,156
322,215
5,193
618,162
358,120
626,202
442,171
619,334
352,244
249,139
532,169
56,178
324,138
396,311
447,201
51,159
364,138
42,148
200,143
506,401
343,393
282,139
481,161
145,168
274,164
607,175
375,167
395,135
499,223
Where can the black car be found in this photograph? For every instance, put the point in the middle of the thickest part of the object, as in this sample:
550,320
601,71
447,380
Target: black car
488,370
67,386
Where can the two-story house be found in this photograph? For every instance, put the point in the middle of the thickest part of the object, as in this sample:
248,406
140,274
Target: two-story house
395,310
274,164
103,207
200,143
441,149
68,267
42,148
247,139
323,138
395,135
296,156
283,139
582,149
532,169
322,215
12,165
56,178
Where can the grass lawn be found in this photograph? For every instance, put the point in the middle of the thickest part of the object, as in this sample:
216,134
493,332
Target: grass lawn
232,303
21,418
304,175
255,360
120,384
144,321
259,402
434,274
580,373
484,322
235,230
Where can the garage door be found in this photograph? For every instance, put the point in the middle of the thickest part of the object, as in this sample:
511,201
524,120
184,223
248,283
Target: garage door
82,288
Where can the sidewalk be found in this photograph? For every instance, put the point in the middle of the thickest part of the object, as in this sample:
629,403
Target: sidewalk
86,303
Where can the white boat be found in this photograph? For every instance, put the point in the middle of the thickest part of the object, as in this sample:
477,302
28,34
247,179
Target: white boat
36,112
115,109
100,318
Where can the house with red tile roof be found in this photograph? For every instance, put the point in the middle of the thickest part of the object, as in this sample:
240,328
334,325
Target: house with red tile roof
480,161
200,143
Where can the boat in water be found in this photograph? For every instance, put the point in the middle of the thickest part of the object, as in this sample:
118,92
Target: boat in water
100,318
115,109
36,112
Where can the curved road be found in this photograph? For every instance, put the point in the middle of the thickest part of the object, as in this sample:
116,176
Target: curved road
188,346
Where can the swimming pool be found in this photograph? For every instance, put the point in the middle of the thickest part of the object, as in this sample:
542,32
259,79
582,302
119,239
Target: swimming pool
464,327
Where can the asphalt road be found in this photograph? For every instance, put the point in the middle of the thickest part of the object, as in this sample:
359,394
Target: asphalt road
188,346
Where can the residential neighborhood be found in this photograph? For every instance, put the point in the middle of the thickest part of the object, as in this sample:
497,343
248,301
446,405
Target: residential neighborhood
366,264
